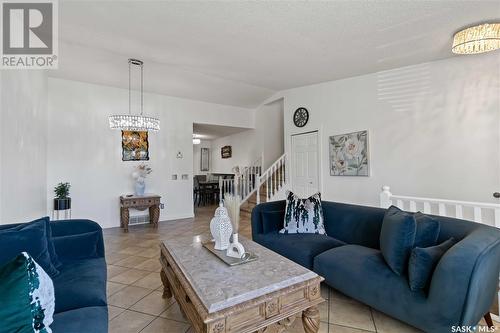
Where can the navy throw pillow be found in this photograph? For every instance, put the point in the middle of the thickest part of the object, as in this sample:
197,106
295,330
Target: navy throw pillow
422,263
272,221
397,238
31,238
427,230
50,244
83,246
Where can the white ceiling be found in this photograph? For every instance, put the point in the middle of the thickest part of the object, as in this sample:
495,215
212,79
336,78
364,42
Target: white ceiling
241,52
212,132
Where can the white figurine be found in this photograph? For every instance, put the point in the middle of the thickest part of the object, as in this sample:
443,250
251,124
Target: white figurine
221,228
235,250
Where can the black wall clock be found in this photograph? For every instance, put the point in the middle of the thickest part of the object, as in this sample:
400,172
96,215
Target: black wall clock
300,117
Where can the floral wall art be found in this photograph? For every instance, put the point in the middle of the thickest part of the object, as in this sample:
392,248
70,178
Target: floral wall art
349,154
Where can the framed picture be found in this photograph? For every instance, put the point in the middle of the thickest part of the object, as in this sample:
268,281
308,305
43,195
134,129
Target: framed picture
349,154
135,146
226,152
205,159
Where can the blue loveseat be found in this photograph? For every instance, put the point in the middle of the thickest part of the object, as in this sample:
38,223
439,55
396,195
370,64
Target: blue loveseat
462,287
80,286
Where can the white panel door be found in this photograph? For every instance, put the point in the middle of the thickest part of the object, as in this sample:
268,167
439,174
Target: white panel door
305,164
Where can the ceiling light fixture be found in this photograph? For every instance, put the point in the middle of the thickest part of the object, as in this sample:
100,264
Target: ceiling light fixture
477,39
130,122
196,141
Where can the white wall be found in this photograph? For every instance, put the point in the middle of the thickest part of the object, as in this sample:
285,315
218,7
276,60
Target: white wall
84,151
434,129
269,131
266,141
245,150
23,141
197,157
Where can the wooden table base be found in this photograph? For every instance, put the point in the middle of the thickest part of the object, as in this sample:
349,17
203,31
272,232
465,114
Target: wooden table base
271,313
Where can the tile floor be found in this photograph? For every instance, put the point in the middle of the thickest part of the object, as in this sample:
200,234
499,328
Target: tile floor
134,287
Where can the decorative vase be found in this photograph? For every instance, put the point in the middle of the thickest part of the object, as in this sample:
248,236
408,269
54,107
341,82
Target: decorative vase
235,249
140,187
221,228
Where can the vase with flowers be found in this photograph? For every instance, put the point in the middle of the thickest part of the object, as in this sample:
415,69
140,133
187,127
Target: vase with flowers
139,174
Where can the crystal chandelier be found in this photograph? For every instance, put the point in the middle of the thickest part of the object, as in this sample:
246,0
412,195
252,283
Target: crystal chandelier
477,39
130,122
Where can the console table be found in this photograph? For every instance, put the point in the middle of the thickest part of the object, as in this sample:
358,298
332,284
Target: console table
151,201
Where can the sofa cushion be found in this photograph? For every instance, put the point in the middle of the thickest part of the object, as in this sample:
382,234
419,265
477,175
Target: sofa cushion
83,245
50,244
427,230
303,216
81,283
272,221
31,238
361,273
397,238
301,248
27,296
88,319
422,263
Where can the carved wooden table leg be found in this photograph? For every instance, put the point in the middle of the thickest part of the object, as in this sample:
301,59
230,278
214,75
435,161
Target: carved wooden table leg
154,214
310,319
167,293
124,218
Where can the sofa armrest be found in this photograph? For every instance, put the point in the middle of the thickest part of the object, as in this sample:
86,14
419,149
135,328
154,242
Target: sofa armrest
77,239
467,275
258,227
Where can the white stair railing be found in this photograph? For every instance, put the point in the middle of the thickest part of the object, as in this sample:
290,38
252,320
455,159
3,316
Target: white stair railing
486,213
251,178
244,183
274,178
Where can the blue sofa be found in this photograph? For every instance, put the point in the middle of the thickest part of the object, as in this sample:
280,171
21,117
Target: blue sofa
80,286
463,284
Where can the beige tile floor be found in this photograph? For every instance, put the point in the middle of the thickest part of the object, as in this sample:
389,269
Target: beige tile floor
134,286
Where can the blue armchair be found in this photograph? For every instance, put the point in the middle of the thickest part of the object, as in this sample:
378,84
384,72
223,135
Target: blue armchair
463,284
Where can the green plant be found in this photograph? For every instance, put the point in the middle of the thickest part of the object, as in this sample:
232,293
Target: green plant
62,190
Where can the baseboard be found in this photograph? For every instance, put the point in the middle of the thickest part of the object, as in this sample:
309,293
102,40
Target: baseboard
178,217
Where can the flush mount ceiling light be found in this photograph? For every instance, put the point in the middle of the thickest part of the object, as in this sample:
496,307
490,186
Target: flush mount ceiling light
196,141
131,122
477,39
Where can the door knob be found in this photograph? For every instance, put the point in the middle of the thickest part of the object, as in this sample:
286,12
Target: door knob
496,195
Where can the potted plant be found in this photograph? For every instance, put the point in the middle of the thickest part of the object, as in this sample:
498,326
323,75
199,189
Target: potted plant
62,201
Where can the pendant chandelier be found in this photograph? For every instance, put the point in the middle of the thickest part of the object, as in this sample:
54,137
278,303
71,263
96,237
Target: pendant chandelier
477,39
131,122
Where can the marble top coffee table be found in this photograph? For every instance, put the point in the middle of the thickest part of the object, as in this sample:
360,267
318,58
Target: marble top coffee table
265,295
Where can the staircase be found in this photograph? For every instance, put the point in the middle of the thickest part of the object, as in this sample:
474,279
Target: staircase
255,186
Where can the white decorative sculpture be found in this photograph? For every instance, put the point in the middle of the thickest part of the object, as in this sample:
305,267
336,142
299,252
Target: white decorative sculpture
235,250
221,228
232,203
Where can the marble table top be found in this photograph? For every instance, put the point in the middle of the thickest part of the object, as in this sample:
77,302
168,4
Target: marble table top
220,286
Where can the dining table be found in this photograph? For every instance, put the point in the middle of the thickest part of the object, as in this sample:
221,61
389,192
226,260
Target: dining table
208,192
